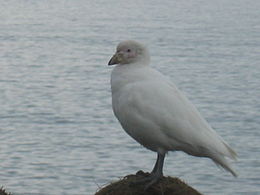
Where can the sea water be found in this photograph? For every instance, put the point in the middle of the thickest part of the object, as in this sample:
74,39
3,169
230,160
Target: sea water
58,134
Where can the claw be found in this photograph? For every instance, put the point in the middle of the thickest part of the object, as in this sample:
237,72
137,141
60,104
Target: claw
151,179
154,180
155,175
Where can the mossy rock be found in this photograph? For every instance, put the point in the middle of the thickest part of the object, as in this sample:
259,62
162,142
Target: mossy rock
3,192
166,186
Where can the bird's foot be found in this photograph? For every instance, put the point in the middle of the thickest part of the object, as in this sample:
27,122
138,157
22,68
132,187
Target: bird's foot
151,179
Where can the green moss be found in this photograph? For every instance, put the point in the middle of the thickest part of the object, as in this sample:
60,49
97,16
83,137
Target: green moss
166,186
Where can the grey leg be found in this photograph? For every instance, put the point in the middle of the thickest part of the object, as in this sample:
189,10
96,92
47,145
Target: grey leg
150,177
157,171
156,165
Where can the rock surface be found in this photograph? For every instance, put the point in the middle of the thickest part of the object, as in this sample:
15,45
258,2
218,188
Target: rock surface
3,192
166,186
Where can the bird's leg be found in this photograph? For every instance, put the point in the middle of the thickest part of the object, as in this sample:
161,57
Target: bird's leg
158,172
156,165
149,178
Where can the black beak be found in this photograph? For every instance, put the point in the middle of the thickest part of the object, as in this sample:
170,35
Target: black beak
113,60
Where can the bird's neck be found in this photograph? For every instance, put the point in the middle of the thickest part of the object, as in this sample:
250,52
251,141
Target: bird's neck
123,75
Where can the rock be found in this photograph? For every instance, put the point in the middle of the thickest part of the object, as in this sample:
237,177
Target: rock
166,186
3,192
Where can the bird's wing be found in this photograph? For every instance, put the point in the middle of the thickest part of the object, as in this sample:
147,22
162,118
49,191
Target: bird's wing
160,104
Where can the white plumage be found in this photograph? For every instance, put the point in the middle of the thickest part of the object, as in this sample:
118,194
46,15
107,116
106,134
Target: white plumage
153,111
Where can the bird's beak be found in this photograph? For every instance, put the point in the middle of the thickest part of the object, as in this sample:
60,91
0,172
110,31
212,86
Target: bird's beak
114,60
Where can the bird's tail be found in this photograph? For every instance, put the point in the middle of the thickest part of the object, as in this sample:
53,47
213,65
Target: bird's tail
220,160
230,152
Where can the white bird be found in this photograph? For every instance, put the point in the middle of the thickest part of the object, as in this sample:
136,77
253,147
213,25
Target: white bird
153,111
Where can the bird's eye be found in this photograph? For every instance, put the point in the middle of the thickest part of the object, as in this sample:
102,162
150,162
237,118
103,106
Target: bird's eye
128,50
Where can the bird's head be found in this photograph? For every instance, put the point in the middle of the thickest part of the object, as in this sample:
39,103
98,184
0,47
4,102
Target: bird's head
128,52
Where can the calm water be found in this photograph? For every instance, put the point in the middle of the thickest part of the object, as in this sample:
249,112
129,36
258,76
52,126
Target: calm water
58,132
